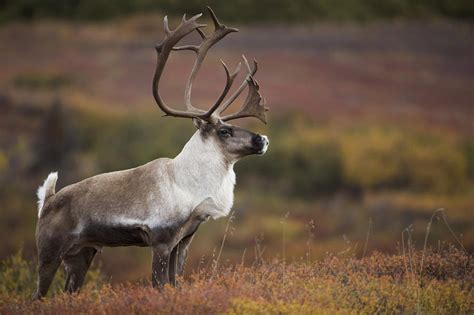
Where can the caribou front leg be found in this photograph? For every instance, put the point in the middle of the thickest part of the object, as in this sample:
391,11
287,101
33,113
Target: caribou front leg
160,265
178,258
183,254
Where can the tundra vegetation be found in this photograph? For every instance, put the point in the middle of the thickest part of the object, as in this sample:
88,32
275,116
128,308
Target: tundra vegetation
419,282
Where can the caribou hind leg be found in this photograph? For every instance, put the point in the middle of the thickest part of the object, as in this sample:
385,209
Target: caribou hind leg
49,259
76,268
160,264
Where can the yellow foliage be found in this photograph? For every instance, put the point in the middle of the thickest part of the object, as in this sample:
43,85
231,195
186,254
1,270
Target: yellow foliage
371,158
3,162
436,166
386,157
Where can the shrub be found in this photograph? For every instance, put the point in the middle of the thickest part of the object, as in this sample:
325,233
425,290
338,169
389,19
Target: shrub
435,166
386,157
372,157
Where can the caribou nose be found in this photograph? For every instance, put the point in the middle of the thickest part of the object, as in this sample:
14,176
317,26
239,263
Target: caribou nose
259,140
260,143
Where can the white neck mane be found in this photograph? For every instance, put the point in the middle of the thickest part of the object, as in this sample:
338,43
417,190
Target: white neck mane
201,170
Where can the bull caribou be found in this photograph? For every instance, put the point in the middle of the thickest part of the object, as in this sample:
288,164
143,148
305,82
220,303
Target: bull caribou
162,203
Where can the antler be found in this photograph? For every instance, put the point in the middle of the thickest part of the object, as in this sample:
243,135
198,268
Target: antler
252,106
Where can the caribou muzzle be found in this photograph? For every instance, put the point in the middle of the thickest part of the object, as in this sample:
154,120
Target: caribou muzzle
260,144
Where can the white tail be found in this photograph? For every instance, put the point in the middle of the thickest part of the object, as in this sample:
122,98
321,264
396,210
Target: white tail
47,190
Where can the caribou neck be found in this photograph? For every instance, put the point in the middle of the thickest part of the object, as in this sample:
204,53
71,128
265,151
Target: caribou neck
201,165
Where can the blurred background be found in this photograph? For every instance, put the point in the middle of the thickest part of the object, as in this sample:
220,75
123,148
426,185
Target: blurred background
371,122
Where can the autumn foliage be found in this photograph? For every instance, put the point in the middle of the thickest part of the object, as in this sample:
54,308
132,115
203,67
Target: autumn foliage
336,284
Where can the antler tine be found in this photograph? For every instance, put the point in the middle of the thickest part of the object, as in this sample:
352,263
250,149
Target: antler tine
255,66
187,47
220,31
217,24
233,97
201,33
166,26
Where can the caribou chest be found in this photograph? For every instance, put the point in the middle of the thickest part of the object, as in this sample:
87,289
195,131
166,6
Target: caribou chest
200,172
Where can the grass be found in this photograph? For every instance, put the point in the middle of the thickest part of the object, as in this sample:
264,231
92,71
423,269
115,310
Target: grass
336,284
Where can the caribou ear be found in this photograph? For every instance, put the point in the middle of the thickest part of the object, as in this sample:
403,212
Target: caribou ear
198,122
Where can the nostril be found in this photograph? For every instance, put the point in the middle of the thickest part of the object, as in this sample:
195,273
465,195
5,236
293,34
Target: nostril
259,139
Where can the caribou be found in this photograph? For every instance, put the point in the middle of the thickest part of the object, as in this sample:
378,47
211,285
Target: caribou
162,203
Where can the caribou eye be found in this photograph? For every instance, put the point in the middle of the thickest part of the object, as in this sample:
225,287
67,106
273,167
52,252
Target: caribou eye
225,132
